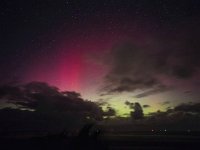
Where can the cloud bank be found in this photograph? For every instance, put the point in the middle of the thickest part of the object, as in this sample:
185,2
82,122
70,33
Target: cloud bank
154,67
39,106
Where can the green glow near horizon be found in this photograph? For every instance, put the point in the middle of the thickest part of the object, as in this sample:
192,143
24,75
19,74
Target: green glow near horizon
117,101
123,110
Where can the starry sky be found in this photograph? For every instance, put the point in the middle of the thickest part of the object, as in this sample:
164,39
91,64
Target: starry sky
110,51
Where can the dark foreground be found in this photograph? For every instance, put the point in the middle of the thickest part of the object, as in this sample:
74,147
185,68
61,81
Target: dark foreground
107,141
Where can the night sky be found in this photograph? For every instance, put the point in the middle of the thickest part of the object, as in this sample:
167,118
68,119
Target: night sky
110,51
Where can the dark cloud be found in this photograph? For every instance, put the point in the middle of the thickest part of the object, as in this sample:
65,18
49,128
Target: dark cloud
154,67
72,94
188,107
146,106
102,102
110,112
46,105
182,117
152,92
130,104
165,103
187,92
42,97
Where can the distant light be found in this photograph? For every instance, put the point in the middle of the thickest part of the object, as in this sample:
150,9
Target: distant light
165,130
152,130
88,117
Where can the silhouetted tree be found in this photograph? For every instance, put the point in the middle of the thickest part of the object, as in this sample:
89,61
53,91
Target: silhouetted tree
138,111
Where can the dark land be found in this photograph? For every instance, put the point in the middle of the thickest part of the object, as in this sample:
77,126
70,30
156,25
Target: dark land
136,140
